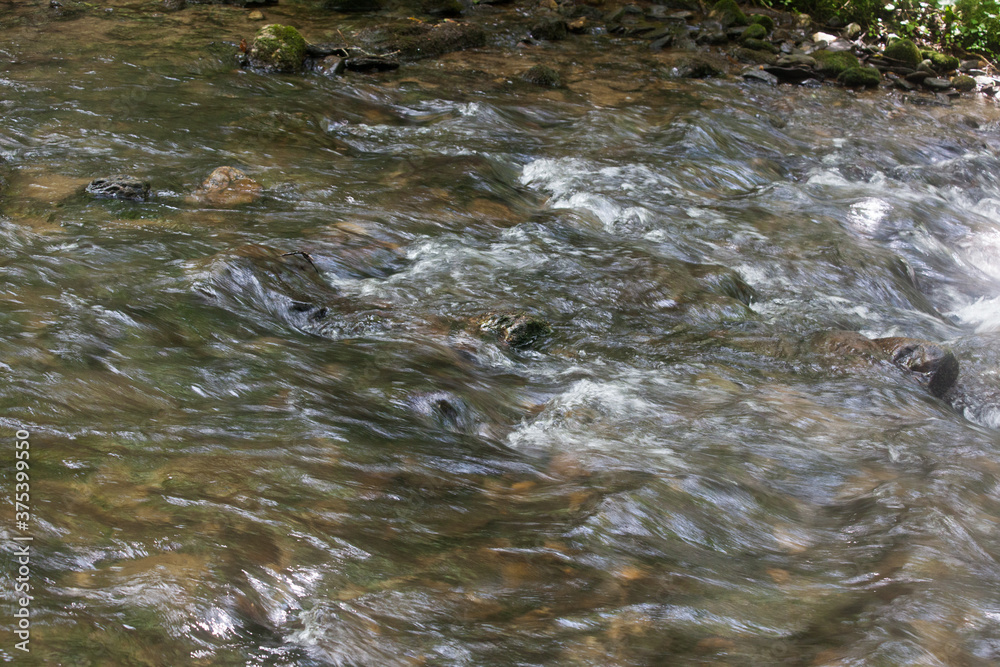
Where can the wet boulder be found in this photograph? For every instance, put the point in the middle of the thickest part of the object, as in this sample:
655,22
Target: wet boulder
277,48
515,329
119,186
227,186
933,365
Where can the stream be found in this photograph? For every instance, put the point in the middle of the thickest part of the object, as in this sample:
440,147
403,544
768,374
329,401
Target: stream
275,433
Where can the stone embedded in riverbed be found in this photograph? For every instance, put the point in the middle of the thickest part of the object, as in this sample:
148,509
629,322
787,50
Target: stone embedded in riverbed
277,48
119,186
414,40
542,75
227,186
550,30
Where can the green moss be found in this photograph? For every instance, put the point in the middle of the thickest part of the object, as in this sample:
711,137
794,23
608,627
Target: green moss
763,20
278,48
755,31
856,77
754,57
904,51
941,62
963,83
728,13
833,63
760,45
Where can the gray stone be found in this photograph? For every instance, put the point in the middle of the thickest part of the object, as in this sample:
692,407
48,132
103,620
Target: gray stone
936,84
762,76
119,186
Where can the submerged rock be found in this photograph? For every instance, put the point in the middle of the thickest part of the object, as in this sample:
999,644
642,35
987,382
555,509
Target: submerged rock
119,186
277,48
542,75
550,29
283,288
517,330
414,40
227,186
933,366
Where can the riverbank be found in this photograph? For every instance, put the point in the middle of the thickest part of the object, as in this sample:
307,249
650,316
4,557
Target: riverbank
678,40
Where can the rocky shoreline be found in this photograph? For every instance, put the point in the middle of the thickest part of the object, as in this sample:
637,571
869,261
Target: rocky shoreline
698,41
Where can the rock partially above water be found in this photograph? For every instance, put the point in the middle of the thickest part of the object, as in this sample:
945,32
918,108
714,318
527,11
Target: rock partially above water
227,186
517,330
277,48
933,365
119,186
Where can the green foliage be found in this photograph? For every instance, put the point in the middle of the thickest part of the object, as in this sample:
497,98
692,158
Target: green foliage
972,25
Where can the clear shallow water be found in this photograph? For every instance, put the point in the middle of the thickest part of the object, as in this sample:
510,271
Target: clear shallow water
219,477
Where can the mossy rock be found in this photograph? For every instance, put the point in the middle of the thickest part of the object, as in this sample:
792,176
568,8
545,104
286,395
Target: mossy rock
904,51
834,63
942,62
278,48
760,45
754,57
727,12
754,31
963,83
763,20
857,77
542,75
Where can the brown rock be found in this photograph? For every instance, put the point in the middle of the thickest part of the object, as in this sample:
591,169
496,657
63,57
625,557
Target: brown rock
227,186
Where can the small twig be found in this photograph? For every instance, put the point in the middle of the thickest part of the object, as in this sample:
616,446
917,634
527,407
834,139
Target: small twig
307,258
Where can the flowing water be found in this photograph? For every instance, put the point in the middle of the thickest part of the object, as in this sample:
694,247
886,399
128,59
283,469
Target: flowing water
246,457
